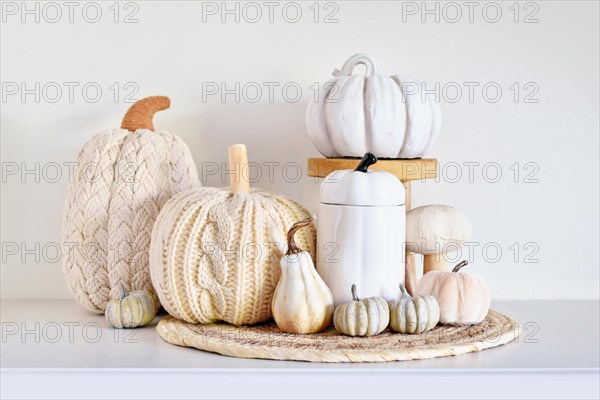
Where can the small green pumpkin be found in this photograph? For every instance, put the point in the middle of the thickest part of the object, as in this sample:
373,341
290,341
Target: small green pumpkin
131,310
414,314
366,317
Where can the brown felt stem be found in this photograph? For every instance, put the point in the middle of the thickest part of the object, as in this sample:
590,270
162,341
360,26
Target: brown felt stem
139,115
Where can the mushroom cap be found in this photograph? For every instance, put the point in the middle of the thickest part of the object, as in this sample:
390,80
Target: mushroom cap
436,229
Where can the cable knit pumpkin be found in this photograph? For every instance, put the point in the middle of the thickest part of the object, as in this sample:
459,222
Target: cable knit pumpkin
215,253
121,180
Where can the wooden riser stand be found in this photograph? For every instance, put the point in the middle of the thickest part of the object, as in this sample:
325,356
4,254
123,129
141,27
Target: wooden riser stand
405,170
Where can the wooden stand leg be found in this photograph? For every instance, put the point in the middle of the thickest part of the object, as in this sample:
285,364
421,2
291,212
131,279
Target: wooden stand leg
410,269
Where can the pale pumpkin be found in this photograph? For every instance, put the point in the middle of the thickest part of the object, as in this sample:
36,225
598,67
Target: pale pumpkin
413,314
390,116
131,310
366,317
463,298
302,302
214,254
121,180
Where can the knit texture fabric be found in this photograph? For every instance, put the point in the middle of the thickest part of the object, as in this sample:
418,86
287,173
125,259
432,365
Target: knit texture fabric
121,181
215,255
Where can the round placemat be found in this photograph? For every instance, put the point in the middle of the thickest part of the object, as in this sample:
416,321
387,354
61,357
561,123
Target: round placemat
267,341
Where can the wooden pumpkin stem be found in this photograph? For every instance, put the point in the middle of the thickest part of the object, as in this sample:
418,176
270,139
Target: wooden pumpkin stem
139,115
460,265
354,295
292,246
124,292
238,162
404,292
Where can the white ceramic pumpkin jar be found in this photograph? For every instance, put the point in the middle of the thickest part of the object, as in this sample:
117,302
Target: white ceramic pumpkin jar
390,116
361,221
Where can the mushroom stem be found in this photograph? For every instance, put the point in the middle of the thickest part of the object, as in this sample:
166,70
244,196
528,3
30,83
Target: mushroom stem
139,115
434,262
410,273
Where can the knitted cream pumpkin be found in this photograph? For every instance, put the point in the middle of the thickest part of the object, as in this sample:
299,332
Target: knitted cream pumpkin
215,252
122,179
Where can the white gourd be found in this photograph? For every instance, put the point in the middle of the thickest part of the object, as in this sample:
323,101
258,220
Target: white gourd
302,303
390,116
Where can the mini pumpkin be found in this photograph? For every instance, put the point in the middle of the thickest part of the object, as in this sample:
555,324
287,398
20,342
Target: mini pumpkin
215,252
366,317
463,298
131,310
122,178
413,314
302,302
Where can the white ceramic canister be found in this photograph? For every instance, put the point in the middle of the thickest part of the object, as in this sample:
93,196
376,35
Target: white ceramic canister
361,232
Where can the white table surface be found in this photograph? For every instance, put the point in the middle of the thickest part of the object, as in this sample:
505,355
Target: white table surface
56,349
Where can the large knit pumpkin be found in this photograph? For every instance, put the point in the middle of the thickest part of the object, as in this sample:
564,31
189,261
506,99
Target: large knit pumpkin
215,252
122,179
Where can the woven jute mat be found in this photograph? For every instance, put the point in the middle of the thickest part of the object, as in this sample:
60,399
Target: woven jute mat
267,341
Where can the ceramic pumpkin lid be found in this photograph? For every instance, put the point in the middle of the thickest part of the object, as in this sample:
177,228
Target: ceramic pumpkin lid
361,187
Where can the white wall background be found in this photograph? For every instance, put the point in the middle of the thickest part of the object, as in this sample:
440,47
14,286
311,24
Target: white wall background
171,51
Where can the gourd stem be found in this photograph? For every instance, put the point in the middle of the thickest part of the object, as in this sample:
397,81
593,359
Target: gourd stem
292,246
124,292
460,265
139,115
404,292
364,164
353,290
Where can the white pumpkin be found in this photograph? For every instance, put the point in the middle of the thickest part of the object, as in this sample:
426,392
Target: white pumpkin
390,116
302,302
464,299
362,317
414,314
131,310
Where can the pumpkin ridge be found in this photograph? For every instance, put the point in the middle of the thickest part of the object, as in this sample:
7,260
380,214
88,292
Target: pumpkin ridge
95,228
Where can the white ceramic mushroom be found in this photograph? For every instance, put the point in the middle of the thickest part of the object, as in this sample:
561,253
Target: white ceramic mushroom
434,231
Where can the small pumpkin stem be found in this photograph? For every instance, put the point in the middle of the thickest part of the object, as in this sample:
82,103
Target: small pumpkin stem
124,292
353,290
364,164
460,265
139,115
404,292
292,246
